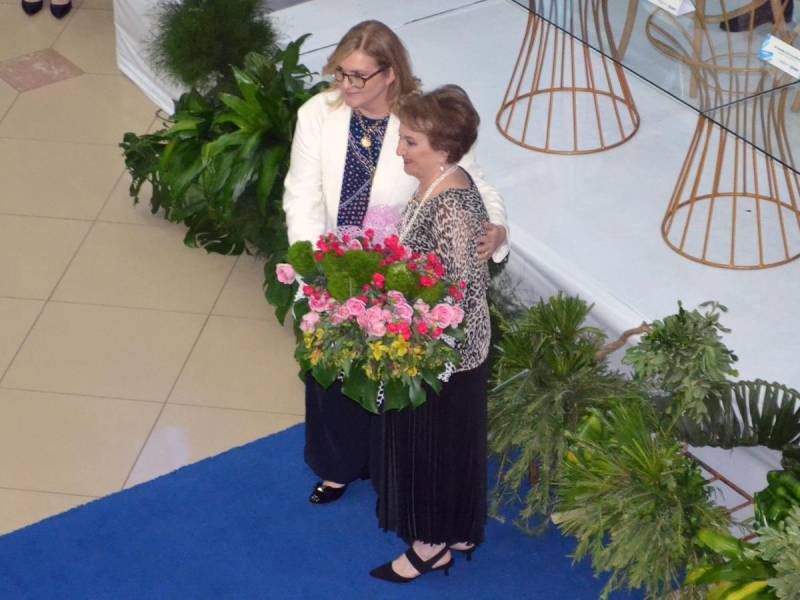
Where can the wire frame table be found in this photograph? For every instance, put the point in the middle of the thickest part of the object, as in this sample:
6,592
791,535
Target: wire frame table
736,203
564,97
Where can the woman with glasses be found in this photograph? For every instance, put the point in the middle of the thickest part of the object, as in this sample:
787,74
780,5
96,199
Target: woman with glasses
343,161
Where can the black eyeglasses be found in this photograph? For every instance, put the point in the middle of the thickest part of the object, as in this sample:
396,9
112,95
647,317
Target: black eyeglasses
357,81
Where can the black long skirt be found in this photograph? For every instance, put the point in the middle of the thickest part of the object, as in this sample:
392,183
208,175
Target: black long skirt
428,465
337,434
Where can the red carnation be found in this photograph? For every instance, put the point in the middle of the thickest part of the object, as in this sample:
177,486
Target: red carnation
379,280
422,328
318,256
426,281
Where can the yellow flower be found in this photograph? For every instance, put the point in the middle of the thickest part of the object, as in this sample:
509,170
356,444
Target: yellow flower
320,333
400,347
307,340
412,371
316,355
378,349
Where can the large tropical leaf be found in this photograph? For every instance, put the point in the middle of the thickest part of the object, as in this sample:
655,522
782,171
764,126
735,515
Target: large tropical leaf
747,413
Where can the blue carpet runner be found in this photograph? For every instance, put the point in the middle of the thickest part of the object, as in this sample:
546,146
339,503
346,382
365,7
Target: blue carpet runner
239,526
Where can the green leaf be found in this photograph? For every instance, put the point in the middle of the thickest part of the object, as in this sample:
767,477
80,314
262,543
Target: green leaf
249,111
270,167
361,389
222,144
416,393
324,374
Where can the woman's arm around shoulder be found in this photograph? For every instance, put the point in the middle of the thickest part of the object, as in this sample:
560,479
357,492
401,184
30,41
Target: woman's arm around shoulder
495,205
303,201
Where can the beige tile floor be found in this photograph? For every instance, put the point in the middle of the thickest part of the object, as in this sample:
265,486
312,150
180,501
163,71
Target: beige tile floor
123,354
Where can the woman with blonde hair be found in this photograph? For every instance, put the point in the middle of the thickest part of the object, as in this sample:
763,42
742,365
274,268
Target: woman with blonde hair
343,163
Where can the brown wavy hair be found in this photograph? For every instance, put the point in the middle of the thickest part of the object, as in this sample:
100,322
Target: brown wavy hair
446,115
382,45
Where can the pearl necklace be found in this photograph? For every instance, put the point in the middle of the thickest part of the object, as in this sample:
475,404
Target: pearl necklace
424,199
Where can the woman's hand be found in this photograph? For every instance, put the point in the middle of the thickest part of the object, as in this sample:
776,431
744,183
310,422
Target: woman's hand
492,238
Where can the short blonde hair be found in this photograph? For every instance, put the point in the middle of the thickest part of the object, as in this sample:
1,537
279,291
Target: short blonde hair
446,116
382,45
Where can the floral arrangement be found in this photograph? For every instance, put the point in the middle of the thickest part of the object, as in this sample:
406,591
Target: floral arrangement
379,316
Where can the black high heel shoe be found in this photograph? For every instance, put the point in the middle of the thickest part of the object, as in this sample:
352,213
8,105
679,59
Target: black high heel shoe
323,494
763,14
387,573
467,552
59,11
31,8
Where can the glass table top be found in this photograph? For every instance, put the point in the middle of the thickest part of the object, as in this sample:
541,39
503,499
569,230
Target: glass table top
692,58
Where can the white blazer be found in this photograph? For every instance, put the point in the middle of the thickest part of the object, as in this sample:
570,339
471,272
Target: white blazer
313,186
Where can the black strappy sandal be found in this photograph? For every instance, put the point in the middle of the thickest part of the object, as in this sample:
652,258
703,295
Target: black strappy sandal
466,551
387,573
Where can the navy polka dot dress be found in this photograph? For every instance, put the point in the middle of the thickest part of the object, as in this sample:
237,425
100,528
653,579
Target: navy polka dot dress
358,169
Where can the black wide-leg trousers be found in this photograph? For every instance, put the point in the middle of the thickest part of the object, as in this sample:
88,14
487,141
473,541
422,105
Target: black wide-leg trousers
337,434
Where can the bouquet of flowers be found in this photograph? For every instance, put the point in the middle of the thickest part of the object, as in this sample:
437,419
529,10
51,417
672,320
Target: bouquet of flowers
379,316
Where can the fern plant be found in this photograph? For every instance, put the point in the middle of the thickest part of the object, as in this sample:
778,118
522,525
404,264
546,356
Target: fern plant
633,499
780,546
545,378
198,41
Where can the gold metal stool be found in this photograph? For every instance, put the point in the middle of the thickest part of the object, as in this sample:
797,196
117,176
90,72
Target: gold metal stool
564,97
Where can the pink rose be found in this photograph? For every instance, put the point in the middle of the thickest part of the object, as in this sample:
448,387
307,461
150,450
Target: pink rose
421,307
319,304
285,273
309,322
356,307
376,328
458,316
442,315
404,311
374,322
340,315
395,296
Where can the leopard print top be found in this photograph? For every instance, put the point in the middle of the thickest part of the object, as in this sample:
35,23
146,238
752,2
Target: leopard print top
449,225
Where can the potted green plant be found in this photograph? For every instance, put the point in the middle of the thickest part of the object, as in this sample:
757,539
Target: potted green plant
219,167
546,376
633,499
196,42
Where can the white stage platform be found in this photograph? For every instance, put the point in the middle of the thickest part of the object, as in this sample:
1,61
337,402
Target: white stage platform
588,225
